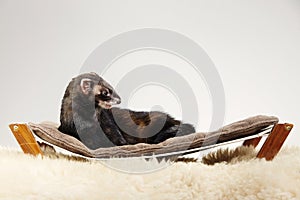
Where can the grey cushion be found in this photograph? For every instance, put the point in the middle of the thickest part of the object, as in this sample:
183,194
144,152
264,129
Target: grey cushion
250,126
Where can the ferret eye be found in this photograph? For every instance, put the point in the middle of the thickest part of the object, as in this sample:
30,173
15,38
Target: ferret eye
105,93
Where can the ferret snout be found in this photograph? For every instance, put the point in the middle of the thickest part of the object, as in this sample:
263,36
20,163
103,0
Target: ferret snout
116,100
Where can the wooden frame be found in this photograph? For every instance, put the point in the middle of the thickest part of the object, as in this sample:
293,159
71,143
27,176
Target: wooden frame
273,143
269,149
26,139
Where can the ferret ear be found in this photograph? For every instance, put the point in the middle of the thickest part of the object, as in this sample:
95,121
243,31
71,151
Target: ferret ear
86,85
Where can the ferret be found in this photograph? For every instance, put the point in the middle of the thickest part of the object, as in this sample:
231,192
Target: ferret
87,114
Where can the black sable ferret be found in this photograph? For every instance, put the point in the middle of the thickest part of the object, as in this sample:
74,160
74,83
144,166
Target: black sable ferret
86,114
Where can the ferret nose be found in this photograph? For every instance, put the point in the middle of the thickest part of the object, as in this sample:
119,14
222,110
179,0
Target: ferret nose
117,100
115,97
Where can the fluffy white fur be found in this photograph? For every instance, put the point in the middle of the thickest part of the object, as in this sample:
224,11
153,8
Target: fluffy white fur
27,177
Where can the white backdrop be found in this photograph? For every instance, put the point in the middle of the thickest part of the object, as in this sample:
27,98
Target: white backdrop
254,44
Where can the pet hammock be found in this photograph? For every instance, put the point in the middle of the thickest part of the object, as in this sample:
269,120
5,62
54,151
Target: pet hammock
249,131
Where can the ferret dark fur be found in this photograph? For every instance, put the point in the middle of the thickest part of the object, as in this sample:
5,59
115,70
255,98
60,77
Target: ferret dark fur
86,114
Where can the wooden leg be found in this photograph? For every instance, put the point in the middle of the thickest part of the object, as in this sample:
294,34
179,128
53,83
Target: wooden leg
252,142
274,141
25,139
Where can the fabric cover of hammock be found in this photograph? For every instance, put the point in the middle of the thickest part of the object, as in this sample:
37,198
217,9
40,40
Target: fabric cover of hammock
253,125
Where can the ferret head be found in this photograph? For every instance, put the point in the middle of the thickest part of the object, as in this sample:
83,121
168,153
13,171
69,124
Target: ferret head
95,88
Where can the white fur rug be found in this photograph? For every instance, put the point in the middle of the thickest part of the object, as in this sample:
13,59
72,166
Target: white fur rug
26,177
